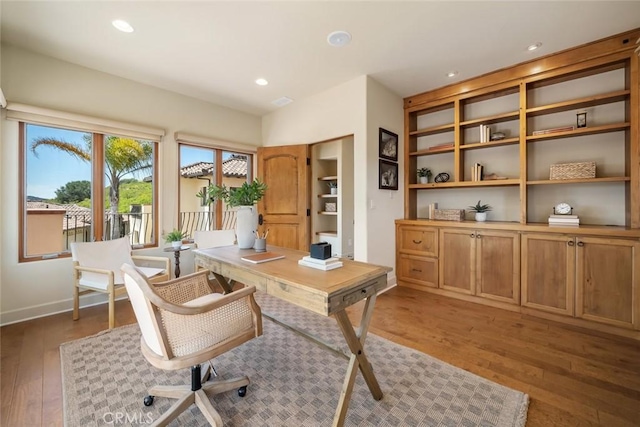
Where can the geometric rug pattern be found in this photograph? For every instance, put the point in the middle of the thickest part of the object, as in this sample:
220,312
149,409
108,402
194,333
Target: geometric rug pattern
294,382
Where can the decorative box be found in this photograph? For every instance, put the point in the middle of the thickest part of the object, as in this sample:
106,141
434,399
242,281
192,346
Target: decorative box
320,250
449,214
331,207
573,170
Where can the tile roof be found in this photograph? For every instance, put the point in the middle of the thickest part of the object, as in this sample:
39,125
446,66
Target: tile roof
234,166
75,217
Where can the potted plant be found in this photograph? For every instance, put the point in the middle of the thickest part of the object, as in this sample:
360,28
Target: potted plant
423,175
243,198
175,238
481,211
333,187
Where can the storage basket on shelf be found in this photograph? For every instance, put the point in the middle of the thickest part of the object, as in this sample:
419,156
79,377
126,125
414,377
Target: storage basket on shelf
449,214
573,170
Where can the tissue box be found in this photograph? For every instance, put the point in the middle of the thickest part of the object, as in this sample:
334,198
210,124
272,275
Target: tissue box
320,250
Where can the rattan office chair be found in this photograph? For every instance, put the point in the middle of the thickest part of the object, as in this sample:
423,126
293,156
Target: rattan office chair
184,323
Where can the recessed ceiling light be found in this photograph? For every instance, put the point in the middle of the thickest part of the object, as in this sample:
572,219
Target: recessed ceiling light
339,38
534,46
123,26
452,73
262,82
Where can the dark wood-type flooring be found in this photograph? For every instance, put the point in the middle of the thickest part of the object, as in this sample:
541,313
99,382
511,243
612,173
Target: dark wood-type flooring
573,378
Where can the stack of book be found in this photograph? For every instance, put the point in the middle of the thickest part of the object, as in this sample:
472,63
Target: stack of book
476,172
564,220
321,264
554,130
485,133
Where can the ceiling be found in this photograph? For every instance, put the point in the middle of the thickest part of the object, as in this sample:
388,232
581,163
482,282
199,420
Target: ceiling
214,51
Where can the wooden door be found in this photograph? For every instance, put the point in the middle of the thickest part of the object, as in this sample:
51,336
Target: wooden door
286,202
498,265
457,260
548,272
607,281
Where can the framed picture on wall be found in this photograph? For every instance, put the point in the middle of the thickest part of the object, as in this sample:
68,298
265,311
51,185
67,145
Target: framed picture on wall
388,145
387,175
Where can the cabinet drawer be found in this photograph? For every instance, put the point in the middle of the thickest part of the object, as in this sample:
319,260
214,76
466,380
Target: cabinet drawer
418,270
418,240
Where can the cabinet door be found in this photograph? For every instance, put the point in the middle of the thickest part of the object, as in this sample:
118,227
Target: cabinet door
457,260
548,272
421,241
607,281
421,271
498,265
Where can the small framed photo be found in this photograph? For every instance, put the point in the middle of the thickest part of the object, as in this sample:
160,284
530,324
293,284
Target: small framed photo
388,145
387,175
581,121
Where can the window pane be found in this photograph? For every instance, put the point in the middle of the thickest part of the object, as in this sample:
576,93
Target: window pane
234,174
197,167
58,189
128,189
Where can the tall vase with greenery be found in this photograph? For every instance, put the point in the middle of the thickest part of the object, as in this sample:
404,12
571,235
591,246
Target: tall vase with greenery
244,199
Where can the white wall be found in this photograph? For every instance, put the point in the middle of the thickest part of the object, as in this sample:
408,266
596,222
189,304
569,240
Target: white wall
358,107
35,288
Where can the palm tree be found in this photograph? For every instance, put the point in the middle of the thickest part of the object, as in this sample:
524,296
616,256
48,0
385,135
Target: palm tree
123,156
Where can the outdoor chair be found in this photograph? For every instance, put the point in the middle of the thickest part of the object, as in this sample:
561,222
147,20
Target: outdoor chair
96,268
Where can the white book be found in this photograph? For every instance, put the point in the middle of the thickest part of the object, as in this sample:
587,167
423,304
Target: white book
327,267
564,221
321,261
563,216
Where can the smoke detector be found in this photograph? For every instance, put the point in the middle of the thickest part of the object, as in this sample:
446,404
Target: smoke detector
339,38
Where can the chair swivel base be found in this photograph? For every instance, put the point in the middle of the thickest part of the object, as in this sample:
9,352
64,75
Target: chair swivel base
195,393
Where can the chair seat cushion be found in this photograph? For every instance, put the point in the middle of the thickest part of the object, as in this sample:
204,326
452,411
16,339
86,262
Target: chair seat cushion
203,300
100,282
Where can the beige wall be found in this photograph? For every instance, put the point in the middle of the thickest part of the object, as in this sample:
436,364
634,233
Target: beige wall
44,287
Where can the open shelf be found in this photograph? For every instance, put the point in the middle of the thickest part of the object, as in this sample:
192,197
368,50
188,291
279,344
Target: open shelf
498,143
466,184
579,103
579,181
328,233
579,132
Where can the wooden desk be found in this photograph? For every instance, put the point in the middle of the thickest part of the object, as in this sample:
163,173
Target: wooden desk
325,292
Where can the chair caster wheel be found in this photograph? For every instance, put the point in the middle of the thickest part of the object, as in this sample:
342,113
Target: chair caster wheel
148,400
242,391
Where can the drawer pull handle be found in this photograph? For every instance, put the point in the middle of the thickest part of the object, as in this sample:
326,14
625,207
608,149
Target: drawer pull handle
415,269
570,243
417,242
580,244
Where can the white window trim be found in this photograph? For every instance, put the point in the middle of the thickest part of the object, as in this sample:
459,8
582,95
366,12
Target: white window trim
47,117
186,138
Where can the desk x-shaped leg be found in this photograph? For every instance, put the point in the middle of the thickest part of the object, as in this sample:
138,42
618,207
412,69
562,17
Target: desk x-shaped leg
227,286
355,340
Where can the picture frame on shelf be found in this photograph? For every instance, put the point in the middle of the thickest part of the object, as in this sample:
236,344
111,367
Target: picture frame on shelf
581,119
388,145
387,175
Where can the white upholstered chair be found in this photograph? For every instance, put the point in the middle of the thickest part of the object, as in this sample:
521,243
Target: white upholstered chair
96,268
184,323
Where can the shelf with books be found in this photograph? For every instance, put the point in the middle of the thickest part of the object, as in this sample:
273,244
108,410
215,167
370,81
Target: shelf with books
615,127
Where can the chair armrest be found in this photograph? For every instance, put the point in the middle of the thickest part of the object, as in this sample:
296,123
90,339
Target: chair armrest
159,259
199,309
79,269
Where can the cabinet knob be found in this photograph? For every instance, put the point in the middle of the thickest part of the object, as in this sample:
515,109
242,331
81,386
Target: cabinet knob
417,242
580,244
472,235
570,243
478,236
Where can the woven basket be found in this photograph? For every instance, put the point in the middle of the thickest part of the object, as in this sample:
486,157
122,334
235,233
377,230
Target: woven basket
449,214
573,170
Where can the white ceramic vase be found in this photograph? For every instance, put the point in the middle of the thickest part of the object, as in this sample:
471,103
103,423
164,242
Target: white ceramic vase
246,225
176,245
334,190
481,216
423,179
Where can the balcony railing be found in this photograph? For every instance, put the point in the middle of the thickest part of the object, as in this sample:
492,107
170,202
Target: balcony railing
197,221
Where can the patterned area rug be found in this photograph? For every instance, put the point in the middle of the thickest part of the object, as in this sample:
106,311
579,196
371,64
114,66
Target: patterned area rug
294,382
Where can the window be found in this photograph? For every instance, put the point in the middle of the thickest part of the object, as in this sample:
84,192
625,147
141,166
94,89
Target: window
199,167
83,186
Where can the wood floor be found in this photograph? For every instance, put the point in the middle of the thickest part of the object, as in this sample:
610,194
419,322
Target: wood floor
572,378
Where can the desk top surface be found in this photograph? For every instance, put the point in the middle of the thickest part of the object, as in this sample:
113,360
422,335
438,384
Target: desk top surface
286,271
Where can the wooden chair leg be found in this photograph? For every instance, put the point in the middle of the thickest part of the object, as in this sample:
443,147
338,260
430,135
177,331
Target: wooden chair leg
112,310
76,302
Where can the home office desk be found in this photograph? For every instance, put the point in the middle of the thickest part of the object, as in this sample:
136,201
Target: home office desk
325,292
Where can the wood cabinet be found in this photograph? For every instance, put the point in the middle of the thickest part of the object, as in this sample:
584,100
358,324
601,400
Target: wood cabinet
591,278
417,256
485,263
